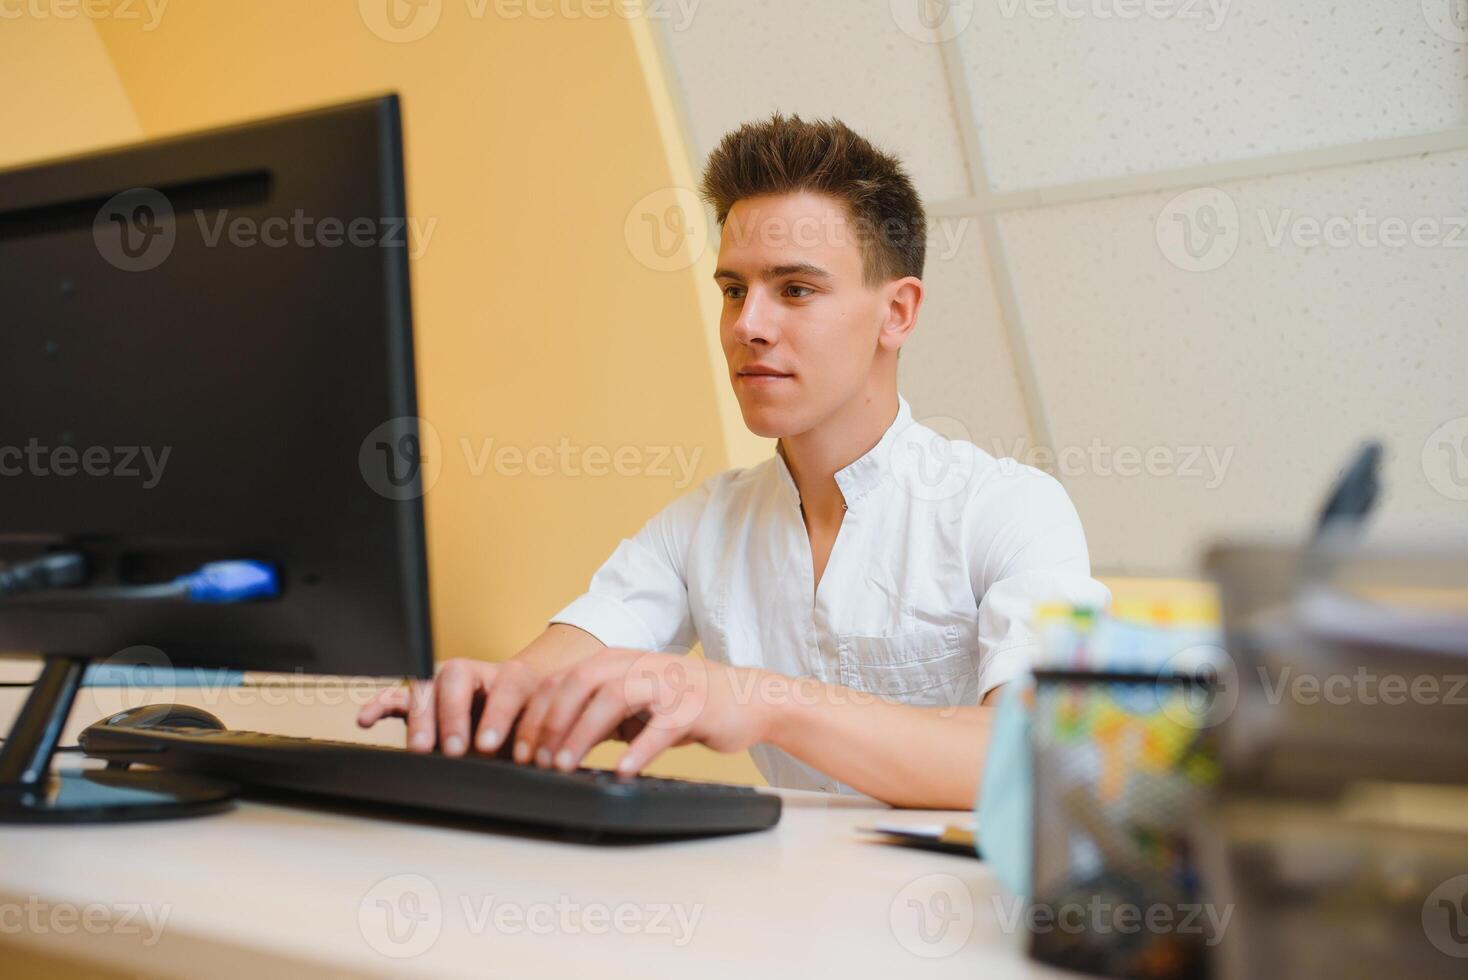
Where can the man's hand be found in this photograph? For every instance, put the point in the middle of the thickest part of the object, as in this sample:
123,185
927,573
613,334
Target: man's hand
654,700
442,711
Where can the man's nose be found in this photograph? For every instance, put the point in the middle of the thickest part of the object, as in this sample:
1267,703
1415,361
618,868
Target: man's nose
756,321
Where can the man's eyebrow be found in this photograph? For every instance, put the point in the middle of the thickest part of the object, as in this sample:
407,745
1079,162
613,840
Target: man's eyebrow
778,271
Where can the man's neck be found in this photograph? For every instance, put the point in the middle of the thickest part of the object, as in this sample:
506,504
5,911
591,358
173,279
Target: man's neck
814,457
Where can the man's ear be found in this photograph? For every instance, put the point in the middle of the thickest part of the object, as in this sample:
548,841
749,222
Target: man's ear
905,296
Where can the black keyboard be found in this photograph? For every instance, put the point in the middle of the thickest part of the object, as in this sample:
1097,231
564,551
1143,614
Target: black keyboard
586,803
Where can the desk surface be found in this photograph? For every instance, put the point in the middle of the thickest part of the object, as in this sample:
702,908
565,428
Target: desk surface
298,892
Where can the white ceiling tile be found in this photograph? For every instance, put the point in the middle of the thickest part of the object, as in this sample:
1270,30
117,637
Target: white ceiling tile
1075,90
740,60
1334,311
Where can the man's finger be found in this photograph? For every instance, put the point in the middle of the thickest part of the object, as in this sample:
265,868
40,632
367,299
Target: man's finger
527,737
421,717
392,703
457,684
502,703
575,692
647,746
599,719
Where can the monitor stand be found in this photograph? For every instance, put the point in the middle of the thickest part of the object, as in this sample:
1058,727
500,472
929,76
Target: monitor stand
31,793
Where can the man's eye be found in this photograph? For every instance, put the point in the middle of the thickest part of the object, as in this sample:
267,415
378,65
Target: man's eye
733,292
798,292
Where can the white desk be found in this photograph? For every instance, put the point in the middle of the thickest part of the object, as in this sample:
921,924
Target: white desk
275,891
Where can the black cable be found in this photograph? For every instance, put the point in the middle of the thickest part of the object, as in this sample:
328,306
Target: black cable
63,570
62,748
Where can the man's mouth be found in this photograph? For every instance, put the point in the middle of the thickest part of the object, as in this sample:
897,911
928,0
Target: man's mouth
761,375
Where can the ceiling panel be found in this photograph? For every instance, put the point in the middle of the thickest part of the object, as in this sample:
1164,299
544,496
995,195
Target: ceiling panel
739,60
1304,313
1078,90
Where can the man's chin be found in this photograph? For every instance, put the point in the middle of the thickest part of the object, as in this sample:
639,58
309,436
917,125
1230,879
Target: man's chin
769,422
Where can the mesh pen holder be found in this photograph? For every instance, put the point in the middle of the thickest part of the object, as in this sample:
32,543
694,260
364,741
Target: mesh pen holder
1123,764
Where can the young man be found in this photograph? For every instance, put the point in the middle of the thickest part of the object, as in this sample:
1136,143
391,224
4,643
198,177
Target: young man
861,596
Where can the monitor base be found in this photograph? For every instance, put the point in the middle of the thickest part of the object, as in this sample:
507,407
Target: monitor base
31,793
108,795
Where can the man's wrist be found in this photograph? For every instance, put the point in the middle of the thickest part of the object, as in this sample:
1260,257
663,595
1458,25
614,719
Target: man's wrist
771,703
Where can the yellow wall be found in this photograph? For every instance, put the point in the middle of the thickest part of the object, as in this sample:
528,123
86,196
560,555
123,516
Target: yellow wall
528,143
62,95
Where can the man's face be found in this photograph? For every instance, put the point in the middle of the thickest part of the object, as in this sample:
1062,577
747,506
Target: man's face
800,327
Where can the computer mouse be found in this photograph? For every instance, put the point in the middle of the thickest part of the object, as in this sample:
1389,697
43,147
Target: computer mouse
163,715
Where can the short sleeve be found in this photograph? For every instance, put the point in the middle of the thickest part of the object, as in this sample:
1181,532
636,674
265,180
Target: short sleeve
639,597
1025,547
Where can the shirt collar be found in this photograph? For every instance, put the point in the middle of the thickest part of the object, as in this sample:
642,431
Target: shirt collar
864,474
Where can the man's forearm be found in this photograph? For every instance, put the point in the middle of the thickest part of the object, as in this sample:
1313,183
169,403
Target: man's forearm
900,754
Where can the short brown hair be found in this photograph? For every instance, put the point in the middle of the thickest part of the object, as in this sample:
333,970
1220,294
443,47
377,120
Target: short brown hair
787,155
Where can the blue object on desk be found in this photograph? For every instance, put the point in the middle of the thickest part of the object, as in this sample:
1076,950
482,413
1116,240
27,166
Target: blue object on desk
1004,810
148,675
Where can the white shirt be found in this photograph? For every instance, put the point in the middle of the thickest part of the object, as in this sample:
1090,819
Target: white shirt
926,598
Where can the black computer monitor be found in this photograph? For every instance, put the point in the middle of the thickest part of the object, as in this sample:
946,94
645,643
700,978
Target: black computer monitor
206,354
